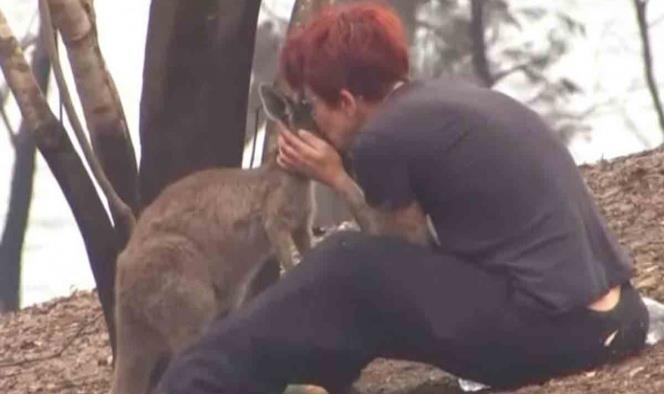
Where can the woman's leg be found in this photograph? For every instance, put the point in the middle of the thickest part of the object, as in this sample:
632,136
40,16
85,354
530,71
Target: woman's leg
357,297
540,346
353,298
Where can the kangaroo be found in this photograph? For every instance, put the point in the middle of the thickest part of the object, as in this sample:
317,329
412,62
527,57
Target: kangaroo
197,249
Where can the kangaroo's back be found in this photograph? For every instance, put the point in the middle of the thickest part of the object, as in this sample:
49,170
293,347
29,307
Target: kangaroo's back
193,255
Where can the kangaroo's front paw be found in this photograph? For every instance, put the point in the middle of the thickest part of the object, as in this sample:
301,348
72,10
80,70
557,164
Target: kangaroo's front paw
304,389
292,259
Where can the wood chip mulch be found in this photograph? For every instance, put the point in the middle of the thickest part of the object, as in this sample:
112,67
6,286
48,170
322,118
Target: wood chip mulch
61,346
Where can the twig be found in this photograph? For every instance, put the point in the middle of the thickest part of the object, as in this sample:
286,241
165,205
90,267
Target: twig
504,73
83,381
28,41
67,345
253,146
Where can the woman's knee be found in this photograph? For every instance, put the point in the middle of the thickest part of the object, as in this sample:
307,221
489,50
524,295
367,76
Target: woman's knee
347,250
361,253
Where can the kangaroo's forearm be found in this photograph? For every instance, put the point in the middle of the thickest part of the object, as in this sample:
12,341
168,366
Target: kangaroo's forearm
409,222
367,218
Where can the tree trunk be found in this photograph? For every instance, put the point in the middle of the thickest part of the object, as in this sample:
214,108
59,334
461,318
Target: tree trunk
101,104
642,19
58,151
11,244
195,86
477,34
20,197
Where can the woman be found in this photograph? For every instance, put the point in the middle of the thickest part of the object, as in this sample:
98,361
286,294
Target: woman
528,283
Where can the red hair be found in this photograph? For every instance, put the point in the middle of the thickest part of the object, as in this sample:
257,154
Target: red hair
360,47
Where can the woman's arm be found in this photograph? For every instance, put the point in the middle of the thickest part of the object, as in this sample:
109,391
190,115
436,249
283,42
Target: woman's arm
310,155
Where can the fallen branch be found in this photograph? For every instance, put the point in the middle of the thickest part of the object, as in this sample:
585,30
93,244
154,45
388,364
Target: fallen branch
56,354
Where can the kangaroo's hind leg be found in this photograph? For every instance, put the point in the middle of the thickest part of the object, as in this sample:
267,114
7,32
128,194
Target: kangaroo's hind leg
282,242
171,320
266,275
184,311
303,238
139,351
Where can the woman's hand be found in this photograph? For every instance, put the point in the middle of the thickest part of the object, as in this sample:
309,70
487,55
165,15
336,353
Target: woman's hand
311,156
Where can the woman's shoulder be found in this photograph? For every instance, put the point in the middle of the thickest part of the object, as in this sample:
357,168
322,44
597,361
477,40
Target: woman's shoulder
411,117
421,105
447,100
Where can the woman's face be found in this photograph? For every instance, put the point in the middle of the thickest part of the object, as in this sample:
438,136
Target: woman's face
340,122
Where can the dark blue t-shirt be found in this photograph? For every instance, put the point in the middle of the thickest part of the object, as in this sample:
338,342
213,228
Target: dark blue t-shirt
500,188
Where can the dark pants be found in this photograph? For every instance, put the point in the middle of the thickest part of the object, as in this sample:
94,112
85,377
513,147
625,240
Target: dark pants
356,297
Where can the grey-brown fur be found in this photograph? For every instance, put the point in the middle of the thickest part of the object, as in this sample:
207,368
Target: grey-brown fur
197,247
193,255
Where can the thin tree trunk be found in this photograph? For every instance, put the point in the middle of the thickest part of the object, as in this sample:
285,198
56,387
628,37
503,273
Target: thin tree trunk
102,108
65,164
477,33
20,197
642,19
195,87
11,244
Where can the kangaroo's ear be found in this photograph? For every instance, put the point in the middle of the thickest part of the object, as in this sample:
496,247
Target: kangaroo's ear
277,105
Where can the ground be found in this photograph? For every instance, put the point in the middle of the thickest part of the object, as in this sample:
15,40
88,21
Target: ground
61,346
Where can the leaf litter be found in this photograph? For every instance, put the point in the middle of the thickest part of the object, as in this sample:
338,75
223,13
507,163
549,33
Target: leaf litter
61,346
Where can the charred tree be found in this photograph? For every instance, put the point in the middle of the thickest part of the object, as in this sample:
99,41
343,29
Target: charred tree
195,85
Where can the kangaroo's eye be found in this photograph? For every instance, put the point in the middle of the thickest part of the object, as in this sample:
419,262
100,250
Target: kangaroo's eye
305,105
308,108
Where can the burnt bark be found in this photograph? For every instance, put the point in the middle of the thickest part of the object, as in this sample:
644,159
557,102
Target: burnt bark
195,86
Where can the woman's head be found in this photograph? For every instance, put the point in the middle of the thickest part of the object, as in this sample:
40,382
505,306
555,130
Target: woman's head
344,59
